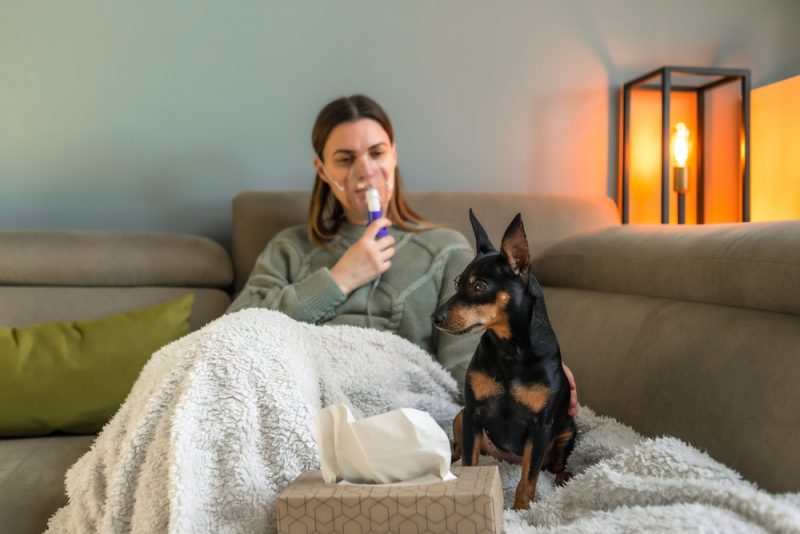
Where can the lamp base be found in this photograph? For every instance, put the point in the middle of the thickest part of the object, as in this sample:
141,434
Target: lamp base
680,181
681,208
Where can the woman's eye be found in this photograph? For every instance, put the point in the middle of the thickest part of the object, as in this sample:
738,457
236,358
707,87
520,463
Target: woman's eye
344,161
377,154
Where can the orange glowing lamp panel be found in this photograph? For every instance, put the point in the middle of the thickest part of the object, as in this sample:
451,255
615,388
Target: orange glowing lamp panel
775,138
724,154
645,156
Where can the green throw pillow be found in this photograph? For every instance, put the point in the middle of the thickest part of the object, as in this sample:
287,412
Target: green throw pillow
73,376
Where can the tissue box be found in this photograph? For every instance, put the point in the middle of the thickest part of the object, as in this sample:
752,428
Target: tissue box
471,503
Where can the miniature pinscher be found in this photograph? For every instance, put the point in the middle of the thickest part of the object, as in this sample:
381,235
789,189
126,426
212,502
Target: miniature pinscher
516,391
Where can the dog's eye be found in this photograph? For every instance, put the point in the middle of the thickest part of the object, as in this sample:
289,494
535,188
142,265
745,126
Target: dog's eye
457,280
480,287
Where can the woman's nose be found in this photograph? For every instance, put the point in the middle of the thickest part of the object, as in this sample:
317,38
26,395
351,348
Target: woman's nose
365,169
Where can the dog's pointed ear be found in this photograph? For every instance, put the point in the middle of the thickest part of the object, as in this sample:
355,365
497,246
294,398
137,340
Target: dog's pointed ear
482,243
515,247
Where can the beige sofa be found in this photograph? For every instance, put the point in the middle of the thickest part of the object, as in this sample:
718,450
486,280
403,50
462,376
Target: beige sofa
688,331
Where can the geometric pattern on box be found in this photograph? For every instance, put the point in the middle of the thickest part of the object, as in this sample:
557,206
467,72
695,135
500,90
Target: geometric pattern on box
473,503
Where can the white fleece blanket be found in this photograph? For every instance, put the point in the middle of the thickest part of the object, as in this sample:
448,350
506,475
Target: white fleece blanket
219,422
623,482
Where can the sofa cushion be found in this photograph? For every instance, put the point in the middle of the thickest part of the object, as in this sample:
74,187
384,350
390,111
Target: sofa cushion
32,479
751,265
73,376
721,378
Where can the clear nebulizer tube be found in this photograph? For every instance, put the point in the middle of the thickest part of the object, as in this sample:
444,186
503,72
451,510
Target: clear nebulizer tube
374,212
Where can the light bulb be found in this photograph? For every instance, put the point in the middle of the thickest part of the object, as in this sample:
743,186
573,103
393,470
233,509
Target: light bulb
680,145
680,151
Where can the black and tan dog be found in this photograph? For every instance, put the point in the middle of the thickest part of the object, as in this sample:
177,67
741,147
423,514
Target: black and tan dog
516,391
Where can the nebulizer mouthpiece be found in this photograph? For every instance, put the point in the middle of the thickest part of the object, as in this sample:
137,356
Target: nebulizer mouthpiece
373,200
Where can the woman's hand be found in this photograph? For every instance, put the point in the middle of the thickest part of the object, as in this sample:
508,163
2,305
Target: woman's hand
365,259
572,411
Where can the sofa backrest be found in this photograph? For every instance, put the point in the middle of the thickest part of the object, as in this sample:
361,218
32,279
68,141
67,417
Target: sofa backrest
753,265
259,215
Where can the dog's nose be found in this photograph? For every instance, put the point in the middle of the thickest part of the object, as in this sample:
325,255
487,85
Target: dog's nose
438,317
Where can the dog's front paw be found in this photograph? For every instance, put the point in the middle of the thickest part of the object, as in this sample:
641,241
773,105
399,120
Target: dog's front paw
526,492
521,503
562,477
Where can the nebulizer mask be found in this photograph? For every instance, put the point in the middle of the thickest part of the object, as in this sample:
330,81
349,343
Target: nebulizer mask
367,176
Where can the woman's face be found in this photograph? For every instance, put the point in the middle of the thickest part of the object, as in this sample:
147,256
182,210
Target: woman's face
358,155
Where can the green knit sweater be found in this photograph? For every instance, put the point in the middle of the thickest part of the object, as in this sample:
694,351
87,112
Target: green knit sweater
292,275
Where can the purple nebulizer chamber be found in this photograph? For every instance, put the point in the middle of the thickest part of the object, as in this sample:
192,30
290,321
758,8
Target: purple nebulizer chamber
374,210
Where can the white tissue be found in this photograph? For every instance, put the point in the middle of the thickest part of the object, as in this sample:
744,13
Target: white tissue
404,445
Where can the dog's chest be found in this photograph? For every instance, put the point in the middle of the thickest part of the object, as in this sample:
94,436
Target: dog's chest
503,397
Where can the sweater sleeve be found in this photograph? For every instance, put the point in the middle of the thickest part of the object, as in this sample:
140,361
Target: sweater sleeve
455,352
312,299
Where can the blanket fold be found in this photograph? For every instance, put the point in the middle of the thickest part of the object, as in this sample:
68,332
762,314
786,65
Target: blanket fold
219,422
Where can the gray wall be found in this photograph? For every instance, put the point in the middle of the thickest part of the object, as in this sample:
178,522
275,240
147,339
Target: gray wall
153,114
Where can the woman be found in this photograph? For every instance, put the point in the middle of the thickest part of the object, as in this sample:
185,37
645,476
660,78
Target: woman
334,270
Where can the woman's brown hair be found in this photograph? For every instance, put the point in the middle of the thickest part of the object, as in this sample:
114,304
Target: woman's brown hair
325,212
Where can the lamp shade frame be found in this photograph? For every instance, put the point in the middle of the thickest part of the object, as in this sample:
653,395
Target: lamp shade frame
719,77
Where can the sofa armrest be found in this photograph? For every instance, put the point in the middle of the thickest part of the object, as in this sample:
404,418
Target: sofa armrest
69,275
118,259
